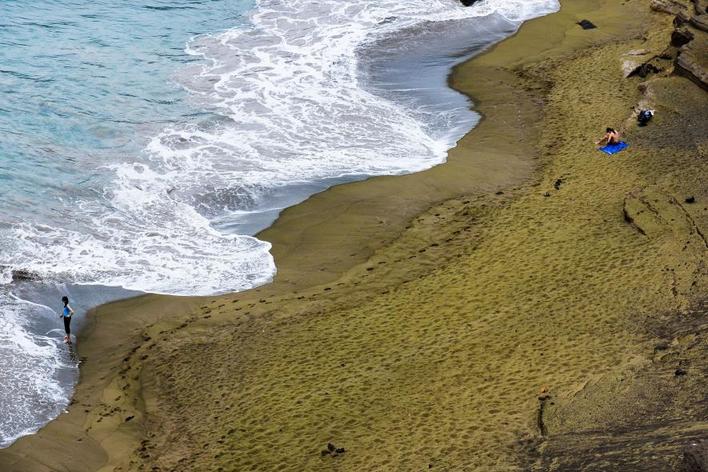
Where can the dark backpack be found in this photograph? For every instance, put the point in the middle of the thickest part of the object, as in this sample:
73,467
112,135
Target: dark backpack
644,117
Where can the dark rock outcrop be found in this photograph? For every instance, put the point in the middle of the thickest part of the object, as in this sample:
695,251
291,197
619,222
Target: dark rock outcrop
700,22
638,419
689,43
681,36
692,61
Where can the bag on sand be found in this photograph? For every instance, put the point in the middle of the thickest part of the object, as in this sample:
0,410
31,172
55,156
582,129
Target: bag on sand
644,117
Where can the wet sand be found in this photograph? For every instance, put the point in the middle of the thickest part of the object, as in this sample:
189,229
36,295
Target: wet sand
525,306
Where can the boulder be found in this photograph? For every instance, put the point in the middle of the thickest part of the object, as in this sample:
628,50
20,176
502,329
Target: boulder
681,36
692,61
672,7
586,24
700,22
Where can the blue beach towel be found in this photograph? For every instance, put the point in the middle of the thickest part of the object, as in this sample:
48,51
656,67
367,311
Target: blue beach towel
613,148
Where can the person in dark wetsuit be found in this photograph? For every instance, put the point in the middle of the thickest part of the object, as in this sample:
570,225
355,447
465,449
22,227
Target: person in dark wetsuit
66,314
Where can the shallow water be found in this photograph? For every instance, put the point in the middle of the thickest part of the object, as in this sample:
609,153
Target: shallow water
83,86
145,141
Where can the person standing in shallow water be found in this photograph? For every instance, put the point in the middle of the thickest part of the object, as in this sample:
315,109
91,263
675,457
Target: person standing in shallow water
66,314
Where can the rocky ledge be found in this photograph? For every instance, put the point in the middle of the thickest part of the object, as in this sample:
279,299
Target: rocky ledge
689,41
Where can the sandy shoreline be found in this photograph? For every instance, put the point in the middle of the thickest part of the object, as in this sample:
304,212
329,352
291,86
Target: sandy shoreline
414,319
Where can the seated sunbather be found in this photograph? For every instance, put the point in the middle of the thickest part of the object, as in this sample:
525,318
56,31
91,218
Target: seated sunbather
611,137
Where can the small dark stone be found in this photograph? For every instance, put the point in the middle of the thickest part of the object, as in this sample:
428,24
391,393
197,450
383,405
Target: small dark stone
661,346
690,199
129,418
331,447
340,450
547,194
557,184
586,24
324,452
499,193
678,372
467,3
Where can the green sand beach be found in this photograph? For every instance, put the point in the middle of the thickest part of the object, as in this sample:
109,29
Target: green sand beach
532,304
